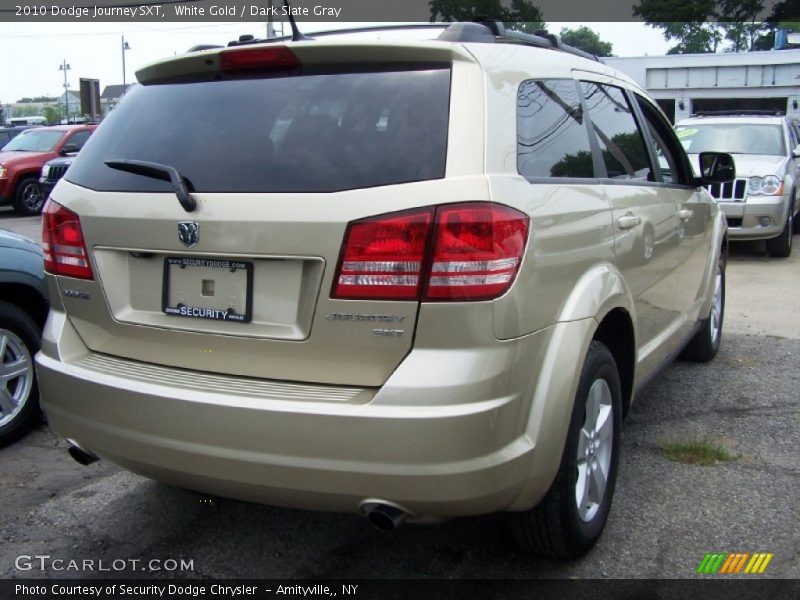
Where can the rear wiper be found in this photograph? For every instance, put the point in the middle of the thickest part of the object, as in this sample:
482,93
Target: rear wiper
158,171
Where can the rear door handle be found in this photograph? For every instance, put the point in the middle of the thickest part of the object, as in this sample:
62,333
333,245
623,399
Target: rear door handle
628,221
685,214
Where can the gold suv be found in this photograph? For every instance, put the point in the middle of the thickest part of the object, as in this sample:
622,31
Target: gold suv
414,280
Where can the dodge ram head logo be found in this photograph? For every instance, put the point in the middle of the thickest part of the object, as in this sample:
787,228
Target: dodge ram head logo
189,233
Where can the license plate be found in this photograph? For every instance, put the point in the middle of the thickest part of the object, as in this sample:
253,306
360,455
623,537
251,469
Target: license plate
215,289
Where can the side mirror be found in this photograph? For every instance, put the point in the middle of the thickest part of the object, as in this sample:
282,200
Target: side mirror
69,149
716,167
796,152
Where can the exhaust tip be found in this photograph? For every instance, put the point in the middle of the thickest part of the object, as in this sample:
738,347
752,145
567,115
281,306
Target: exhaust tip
384,515
382,521
81,456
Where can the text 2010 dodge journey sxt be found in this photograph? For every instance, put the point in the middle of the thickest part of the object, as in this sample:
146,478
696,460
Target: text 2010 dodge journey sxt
415,280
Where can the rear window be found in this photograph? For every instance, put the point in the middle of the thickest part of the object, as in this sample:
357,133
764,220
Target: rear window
310,133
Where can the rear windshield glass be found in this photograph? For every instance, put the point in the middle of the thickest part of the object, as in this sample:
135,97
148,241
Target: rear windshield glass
740,138
309,133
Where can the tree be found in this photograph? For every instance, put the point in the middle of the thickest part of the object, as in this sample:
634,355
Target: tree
587,40
52,114
704,25
36,100
518,14
26,111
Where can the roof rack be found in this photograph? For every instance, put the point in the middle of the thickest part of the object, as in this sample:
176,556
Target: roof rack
487,30
743,112
481,30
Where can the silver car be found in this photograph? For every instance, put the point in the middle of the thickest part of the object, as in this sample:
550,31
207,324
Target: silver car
764,200
410,280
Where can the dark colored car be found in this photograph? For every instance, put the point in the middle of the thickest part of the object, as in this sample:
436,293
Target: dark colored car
23,311
52,171
9,133
22,158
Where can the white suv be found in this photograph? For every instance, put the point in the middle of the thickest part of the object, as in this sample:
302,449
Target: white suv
413,280
764,200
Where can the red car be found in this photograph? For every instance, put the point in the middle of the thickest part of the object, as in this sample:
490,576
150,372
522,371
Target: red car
22,158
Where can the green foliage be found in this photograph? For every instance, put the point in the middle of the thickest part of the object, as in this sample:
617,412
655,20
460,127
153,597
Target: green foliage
36,99
786,12
698,452
587,40
574,165
704,26
521,15
27,111
627,145
52,114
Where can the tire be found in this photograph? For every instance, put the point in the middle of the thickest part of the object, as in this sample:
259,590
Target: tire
28,199
20,340
705,343
558,526
781,246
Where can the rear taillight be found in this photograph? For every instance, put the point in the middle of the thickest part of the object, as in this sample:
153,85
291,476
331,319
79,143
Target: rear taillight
382,257
62,241
271,57
477,251
455,252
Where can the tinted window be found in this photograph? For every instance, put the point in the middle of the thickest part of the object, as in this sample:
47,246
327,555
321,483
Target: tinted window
620,140
668,152
310,133
35,141
734,138
552,140
4,137
79,139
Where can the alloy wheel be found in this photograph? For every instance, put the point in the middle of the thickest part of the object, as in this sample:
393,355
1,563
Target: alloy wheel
595,446
32,197
16,375
715,318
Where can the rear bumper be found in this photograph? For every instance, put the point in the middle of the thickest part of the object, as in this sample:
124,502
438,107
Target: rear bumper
466,454
745,218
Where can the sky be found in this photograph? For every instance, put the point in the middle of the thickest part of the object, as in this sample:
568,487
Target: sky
32,52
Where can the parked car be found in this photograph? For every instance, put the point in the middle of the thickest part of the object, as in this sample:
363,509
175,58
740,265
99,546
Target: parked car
764,201
23,310
391,287
52,172
22,158
9,133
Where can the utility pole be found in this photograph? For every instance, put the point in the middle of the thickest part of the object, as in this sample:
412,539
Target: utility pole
65,67
125,47
270,26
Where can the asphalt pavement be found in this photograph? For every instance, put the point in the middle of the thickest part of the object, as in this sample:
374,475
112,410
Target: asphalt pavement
666,515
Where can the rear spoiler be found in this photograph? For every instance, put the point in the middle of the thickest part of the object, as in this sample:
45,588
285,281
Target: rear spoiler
206,64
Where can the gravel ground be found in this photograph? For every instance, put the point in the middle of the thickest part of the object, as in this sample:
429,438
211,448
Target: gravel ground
665,517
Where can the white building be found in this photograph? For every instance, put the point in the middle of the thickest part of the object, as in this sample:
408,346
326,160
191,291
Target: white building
688,83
